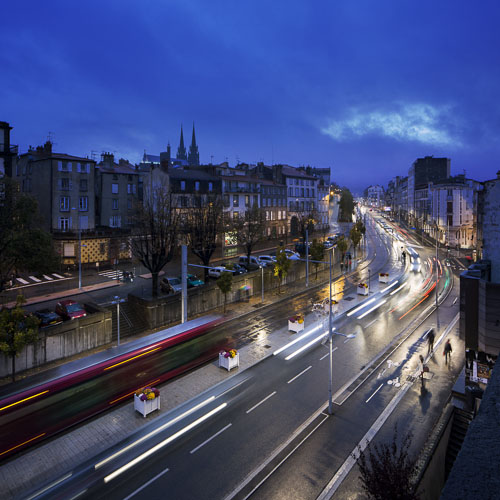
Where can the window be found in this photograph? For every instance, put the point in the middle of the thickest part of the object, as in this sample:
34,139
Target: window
183,185
183,201
64,204
63,166
312,193
236,200
83,184
247,201
263,202
302,192
114,188
255,201
197,186
115,203
84,203
115,221
83,168
129,204
296,191
307,192
63,223
267,214
226,200
129,188
235,215
64,184
69,250
210,186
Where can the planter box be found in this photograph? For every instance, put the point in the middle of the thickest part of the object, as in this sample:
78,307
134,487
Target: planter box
296,327
229,363
145,407
383,279
362,290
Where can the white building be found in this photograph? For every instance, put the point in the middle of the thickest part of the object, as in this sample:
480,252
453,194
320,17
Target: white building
376,196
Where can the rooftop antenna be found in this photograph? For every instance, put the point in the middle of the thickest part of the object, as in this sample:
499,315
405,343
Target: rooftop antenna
211,159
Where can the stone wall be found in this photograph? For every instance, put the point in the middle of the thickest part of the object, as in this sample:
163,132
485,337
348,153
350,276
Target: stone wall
489,318
490,208
64,340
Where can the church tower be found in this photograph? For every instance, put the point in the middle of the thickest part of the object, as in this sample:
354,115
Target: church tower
181,150
194,155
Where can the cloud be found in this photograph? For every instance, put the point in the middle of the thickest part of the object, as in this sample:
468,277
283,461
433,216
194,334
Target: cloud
411,122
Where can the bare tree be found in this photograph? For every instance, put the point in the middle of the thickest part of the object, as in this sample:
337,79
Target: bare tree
156,232
250,228
202,226
387,469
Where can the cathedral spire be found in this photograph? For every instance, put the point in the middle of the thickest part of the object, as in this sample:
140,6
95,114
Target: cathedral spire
181,150
194,155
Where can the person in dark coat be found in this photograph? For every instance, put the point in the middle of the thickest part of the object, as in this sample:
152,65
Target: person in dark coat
430,340
447,351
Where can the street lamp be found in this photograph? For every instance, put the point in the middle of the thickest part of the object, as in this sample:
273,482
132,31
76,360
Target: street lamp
369,277
117,301
79,250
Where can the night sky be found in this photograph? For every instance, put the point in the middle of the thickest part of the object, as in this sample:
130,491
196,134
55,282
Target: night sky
360,86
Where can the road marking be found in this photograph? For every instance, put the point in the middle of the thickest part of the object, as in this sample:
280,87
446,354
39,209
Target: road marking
24,282
51,485
258,404
301,373
371,323
286,458
36,280
210,439
379,387
48,277
146,484
455,301
58,276
328,354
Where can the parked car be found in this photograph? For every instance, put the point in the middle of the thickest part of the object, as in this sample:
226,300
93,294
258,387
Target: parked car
171,285
328,244
235,268
215,272
48,318
267,260
291,255
69,309
253,265
193,281
127,276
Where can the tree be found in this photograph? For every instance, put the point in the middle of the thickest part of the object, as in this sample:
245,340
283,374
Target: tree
346,206
360,227
17,329
225,283
306,222
355,236
342,246
250,228
203,224
281,266
317,253
156,232
24,246
387,469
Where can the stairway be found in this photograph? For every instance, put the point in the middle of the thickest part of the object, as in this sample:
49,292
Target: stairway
130,323
459,427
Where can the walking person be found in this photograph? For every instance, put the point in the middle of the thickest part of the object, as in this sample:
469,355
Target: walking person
421,366
447,351
430,340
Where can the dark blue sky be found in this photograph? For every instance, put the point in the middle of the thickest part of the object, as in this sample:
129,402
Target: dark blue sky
361,86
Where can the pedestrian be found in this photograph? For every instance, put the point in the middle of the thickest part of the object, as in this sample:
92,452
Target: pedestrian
430,340
421,366
447,351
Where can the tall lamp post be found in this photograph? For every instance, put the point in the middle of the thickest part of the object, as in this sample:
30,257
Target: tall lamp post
436,236
79,249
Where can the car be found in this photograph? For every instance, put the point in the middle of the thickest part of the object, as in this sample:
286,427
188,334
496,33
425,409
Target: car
193,281
328,244
48,318
267,260
171,285
69,309
235,268
215,272
291,255
253,265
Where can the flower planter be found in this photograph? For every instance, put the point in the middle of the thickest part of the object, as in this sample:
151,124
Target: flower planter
383,278
145,407
229,363
295,326
362,290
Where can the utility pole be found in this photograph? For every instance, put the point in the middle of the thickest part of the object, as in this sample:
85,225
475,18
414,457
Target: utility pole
184,283
307,258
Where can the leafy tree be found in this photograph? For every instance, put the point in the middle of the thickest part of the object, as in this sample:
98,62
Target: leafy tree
317,254
250,228
225,283
346,206
203,224
17,329
156,232
281,266
342,246
355,236
24,246
386,469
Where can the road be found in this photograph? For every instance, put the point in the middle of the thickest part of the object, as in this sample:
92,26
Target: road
259,417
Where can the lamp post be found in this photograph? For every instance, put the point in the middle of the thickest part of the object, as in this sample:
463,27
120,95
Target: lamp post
79,250
436,235
117,300
369,277
262,275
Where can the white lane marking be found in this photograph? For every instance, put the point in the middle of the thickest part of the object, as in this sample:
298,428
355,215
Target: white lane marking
210,439
48,277
58,276
51,485
24,282
146,484
371,323
301,373
78,494
379,387
455,301
286,458
36,280
258,404
328,354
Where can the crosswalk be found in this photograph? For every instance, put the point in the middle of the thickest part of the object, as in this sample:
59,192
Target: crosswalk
112,274
33,280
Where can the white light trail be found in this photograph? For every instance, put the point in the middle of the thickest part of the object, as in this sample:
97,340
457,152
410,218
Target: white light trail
304,347
298,339
364,304
398,289
372,309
